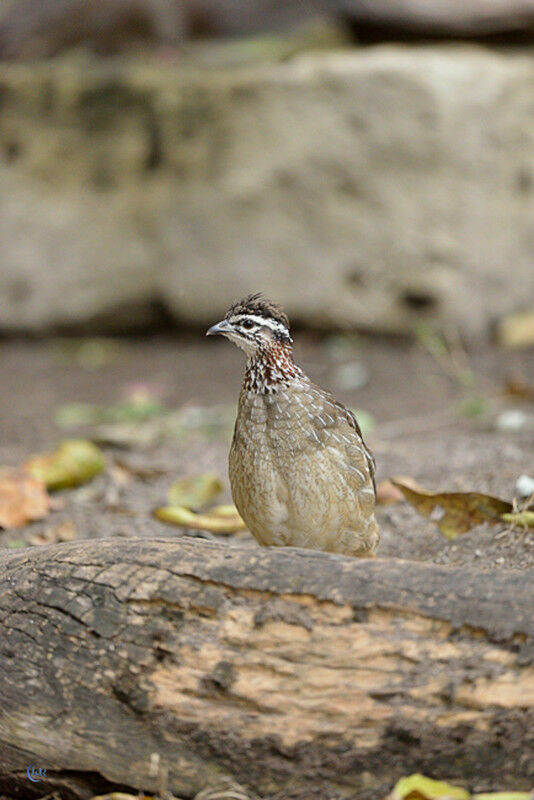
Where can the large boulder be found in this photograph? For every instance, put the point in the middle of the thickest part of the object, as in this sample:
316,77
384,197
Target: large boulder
358,188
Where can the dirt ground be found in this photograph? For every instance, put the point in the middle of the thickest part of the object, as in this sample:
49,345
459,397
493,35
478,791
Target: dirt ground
419,430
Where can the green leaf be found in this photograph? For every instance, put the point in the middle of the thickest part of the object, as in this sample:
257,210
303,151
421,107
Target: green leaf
474,406
73,415
195,492
432,341
76,461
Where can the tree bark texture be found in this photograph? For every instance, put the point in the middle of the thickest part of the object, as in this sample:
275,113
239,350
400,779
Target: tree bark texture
298,674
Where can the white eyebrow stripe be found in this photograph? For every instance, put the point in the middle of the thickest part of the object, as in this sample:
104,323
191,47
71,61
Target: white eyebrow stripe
270,323
267,321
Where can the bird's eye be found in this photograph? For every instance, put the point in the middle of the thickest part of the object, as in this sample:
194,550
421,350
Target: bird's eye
248,324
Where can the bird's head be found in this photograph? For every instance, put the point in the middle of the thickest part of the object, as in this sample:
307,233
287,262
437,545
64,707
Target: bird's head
254,324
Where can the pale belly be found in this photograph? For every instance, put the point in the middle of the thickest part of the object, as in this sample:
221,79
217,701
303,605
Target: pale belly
301,496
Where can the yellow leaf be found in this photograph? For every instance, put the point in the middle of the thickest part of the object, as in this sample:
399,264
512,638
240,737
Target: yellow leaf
195,492
122,796
503,796
225,512
516,330
453,512
76,461
212,522
417,787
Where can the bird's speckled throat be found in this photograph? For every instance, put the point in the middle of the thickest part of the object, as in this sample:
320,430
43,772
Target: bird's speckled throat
271,368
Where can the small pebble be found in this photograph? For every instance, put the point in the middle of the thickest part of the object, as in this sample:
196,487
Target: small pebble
524,486
511,420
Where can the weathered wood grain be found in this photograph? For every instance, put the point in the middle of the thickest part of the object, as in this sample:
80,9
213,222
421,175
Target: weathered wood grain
314,675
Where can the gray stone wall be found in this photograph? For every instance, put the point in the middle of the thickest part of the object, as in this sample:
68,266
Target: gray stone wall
359,188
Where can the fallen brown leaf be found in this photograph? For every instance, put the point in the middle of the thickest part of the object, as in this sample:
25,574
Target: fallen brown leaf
23,499
517,386
453,512
387,493
64,532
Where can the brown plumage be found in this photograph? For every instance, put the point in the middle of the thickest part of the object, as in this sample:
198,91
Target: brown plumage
300,472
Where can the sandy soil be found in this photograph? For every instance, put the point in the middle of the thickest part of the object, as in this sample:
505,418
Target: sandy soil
418,432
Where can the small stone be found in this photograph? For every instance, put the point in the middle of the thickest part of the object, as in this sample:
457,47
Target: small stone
511,420
437,513
524,486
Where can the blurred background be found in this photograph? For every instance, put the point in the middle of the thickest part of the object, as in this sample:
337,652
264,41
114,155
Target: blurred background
368,164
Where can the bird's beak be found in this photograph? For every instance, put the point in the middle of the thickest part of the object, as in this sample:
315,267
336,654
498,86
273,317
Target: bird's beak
221,327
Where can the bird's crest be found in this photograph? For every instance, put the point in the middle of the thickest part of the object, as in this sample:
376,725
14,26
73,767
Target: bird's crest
258,305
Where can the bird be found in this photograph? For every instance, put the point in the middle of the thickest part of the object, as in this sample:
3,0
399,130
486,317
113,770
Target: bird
300,472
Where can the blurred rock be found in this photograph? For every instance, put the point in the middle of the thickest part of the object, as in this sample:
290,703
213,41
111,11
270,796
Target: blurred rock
34,29
389,20
525,486
511,420
357,188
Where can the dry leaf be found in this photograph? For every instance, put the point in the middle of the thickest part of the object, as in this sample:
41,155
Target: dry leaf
23,498
417,787
221,519
64,532
453,512
123,796
120,476
516,385
76,461
195,492
387,494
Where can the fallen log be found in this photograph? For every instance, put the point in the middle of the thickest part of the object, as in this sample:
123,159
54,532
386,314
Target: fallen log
128,663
